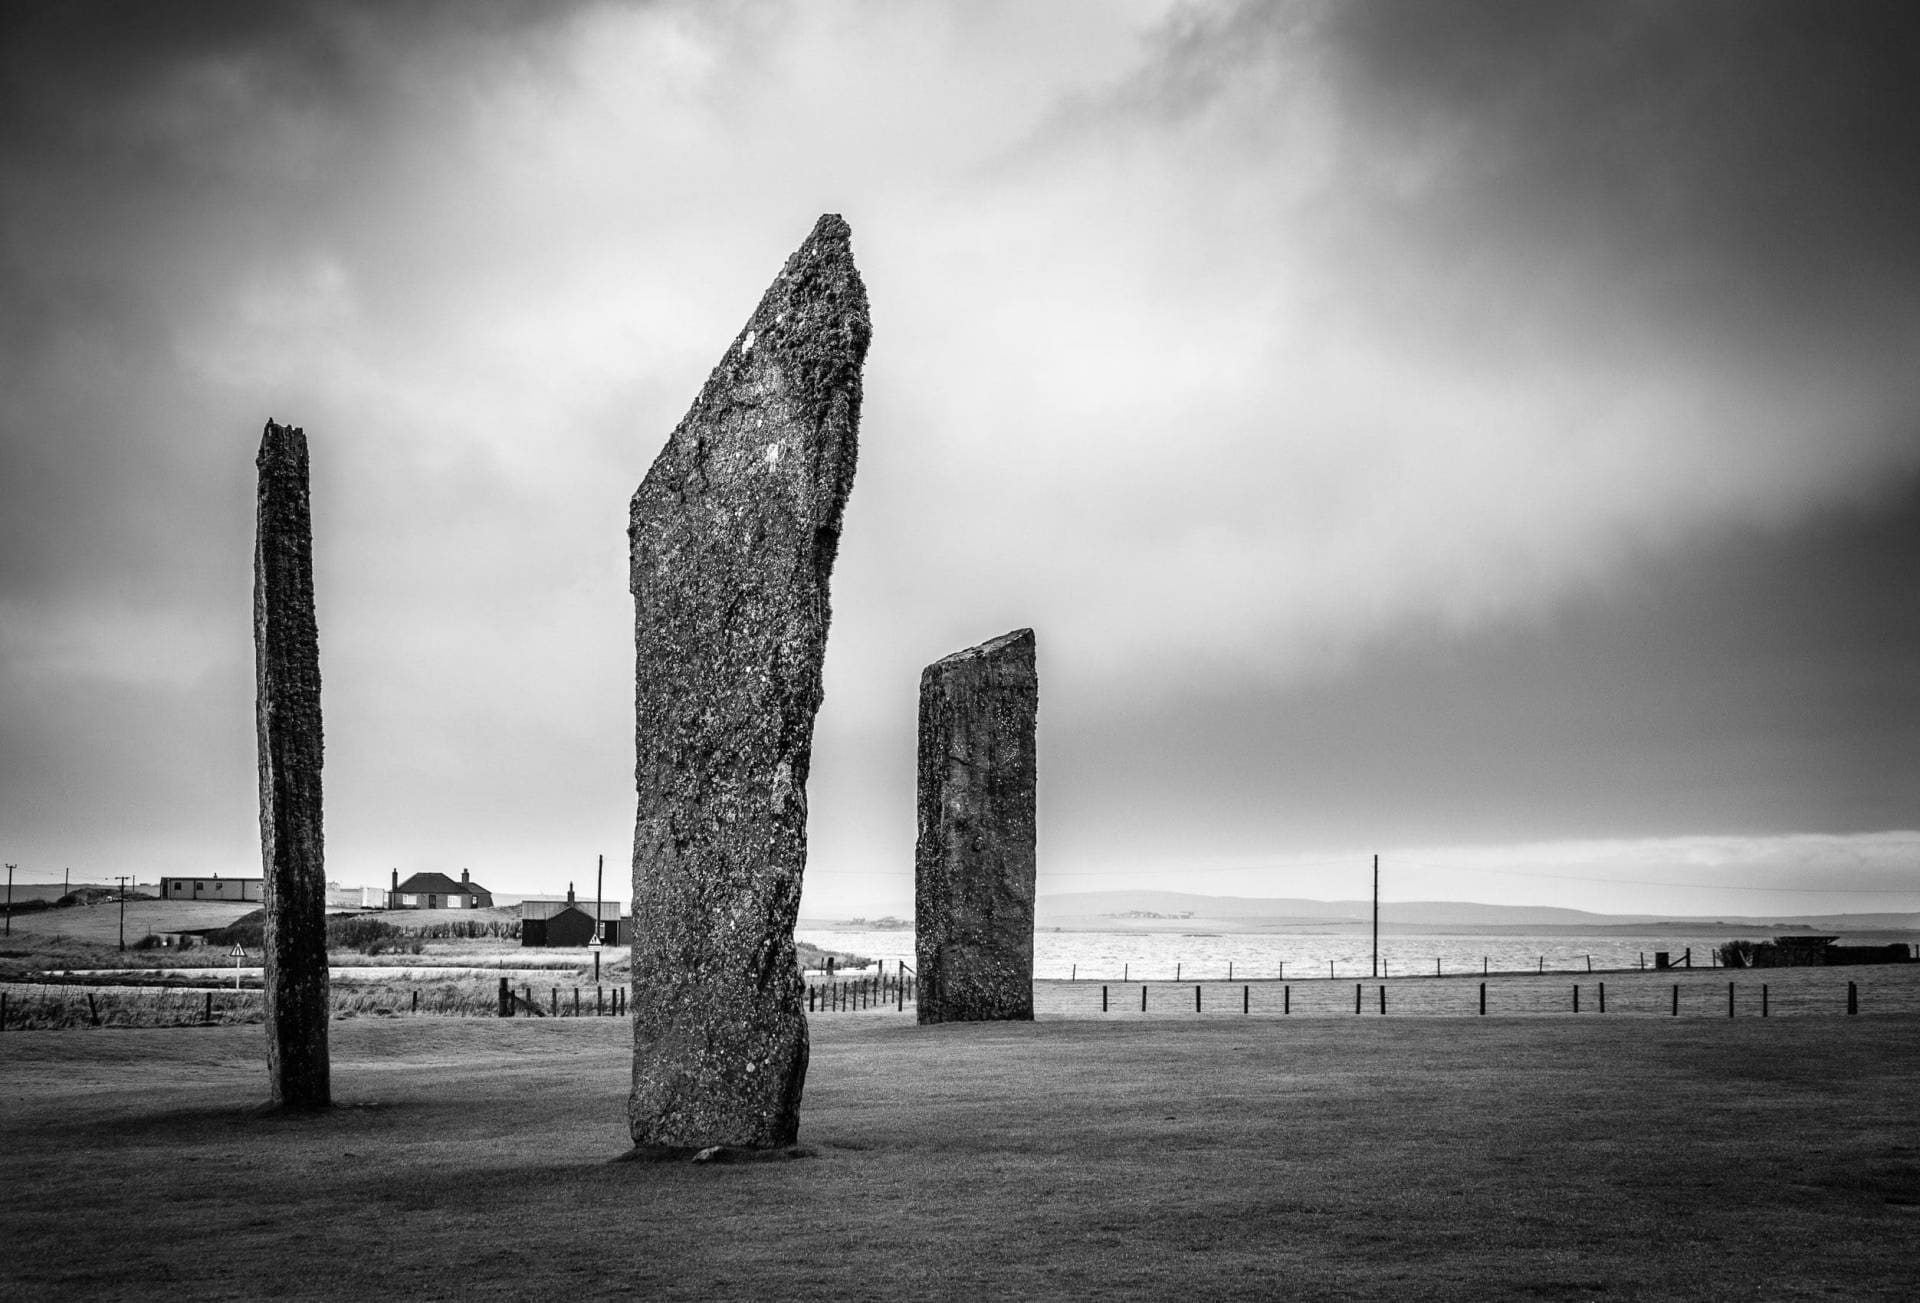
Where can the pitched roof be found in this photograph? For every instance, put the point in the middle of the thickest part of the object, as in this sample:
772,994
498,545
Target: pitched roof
609,909
421,883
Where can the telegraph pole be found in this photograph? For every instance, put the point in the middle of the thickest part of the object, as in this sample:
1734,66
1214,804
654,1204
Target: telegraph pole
599,878
123,911
9,900
1376,916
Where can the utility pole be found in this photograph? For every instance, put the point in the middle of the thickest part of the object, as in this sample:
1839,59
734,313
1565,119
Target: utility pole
1376,916
599,876
9,900
123,911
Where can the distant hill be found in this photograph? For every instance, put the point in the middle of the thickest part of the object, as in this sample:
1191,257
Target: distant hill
1161,909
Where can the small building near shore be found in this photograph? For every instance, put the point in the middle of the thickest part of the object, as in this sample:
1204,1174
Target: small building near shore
437,891
1807,951
212,887
565,921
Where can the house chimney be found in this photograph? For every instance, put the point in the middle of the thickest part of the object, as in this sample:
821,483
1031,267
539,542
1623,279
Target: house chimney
463,877
569,893
396,879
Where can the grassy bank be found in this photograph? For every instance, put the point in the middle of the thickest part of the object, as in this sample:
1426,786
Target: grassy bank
1206,1159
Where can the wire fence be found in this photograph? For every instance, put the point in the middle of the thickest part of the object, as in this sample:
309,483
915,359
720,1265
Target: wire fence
1699,993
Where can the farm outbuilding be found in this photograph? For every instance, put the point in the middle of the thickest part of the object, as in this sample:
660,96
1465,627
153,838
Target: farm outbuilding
565,921
212,887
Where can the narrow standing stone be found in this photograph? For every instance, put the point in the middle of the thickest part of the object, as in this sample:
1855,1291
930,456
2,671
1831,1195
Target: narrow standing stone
733,534
286,644
974,864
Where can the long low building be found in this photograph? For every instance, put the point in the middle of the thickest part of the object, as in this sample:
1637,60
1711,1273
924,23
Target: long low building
566,921
212,887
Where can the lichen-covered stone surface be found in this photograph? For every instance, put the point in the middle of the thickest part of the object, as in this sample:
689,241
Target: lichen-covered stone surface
733,535
974,864
286,646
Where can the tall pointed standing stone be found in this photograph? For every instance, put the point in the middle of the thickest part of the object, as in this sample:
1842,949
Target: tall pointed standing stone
286,647
733,534
974,865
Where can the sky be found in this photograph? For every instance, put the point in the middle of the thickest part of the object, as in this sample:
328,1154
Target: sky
1485,435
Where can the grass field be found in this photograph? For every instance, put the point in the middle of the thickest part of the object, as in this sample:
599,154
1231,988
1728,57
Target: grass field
1497,1158
100,924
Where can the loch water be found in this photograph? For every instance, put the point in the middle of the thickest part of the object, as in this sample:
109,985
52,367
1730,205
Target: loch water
1309,953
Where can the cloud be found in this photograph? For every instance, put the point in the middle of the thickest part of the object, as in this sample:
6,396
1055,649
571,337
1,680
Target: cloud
1220,343
1337,349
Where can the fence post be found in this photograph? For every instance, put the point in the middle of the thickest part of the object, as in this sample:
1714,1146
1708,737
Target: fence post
1196,997
1483,999
506,999
576,1002
1103,997
209,1014
810,991
1853,998
1286,999
1763,999
1356,997
1576,997
1603,997
1143,997
597,1010
93,1009
1176,970
1246,999
1729,999
3,1011
1676,999
416,1000
556,1002
1383,1000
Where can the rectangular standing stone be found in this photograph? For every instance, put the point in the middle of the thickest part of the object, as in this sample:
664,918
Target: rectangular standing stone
733,535
974,865
286,643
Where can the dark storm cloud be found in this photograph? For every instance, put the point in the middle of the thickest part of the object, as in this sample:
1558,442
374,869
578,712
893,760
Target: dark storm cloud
151,151
1262,356
1732,160
1765,685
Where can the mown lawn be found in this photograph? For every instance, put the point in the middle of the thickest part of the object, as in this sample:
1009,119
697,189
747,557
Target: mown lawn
1209,1159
